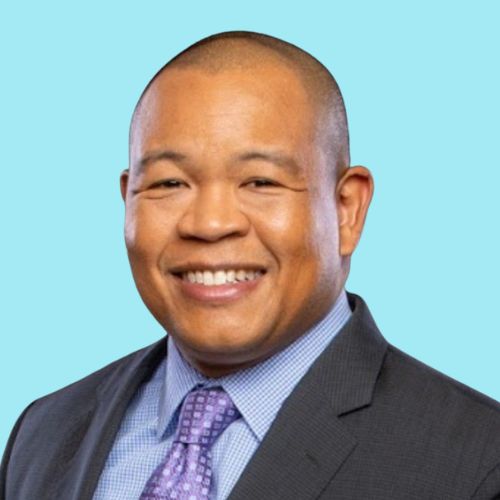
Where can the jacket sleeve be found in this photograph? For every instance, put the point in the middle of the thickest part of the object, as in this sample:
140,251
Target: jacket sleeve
7,452
489,487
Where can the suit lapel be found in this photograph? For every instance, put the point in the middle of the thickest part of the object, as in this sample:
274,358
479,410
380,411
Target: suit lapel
103,420
308,443
303,449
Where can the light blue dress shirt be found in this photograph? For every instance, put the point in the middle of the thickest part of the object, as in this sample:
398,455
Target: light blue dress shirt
148,427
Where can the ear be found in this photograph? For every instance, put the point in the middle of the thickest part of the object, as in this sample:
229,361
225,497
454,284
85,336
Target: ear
354,193
123,183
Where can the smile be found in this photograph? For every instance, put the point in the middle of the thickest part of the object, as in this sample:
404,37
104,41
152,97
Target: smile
220,277
218,286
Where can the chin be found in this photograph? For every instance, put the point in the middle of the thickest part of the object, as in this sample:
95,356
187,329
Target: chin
221,349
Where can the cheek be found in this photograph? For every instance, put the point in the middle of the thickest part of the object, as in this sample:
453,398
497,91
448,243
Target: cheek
147,228
324,227
286,230
303,237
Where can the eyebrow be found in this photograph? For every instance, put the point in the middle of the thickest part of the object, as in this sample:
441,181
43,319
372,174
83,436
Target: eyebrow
278,158
154,156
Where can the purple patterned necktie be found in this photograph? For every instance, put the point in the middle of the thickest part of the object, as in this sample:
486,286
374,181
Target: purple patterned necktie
186,471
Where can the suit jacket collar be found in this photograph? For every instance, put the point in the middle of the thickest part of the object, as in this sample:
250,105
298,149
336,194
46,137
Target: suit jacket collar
347,371
306,443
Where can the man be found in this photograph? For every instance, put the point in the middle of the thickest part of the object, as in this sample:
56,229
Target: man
242,213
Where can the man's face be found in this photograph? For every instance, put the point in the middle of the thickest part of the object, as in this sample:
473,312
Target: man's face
231,224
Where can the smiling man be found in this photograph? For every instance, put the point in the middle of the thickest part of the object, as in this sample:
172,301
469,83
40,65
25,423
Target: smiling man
242,213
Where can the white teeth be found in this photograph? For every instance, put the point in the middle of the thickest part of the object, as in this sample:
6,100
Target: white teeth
221,277
208,278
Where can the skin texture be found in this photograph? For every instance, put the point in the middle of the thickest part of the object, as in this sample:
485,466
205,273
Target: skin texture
213,200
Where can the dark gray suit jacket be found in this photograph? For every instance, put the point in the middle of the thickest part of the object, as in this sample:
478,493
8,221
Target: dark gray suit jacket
367,421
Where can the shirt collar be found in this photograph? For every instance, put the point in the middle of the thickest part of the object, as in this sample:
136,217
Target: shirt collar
259,391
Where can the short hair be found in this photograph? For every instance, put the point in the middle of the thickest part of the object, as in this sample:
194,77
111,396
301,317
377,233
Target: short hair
241,49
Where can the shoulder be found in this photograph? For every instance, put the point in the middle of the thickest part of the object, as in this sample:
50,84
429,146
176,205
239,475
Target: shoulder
87,386
51,429
433,388
439,409
76,401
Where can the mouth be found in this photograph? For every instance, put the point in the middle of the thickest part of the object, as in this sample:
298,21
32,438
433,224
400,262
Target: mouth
218,284
220,277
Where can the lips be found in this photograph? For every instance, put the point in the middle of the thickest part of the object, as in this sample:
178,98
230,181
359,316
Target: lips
218,283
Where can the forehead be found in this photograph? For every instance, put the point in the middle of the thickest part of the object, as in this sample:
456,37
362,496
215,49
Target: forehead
193,107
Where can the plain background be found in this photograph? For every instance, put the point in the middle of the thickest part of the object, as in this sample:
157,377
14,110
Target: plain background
421,83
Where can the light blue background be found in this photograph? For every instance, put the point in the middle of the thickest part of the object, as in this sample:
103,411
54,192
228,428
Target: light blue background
421,82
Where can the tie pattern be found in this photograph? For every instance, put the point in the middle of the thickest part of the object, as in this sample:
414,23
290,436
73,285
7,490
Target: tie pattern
186,471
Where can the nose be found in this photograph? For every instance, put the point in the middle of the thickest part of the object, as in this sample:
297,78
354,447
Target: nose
213,214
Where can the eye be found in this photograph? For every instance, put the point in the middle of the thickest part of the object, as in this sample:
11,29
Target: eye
167,184
261,183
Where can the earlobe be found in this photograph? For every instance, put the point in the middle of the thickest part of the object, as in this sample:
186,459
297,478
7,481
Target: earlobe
354,193
123,183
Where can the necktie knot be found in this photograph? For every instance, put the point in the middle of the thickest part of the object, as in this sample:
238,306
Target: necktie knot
204,416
